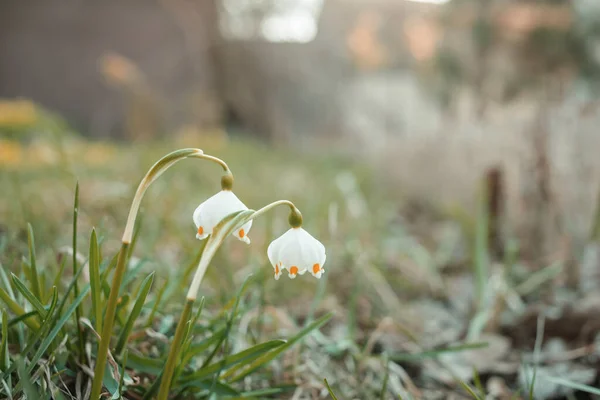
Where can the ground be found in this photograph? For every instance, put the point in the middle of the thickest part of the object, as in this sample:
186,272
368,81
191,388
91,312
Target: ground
419,308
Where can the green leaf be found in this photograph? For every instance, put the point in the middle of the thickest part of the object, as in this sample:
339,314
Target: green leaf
123,372
94,272
135,312
25,380
244,356
4,356
18,319
469,389
217,387
333,396
57,327
145,365
263,360
229,320
18,310
35,281
573,385
35,302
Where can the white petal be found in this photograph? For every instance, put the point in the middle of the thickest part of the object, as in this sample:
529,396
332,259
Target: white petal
298,250
217,207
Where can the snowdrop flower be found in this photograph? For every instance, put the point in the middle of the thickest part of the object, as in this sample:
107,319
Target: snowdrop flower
297,251
217,207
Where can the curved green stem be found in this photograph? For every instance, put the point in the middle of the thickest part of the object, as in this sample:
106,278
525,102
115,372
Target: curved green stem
273,205
157,169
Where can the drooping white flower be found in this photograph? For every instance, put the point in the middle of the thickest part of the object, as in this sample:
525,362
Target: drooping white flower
297,251
214,209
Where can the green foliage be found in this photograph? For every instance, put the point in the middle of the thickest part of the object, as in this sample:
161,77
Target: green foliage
49,359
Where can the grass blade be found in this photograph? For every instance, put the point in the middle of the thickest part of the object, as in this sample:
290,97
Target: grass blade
469,389
573,385
261,361
386,378
135,312
243,356
4,357
81,339
56,328
94,272
123,372
34,301
25,380
35,281
333,396
18,310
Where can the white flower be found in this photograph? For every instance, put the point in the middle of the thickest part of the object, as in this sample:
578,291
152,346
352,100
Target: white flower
214,209
298,252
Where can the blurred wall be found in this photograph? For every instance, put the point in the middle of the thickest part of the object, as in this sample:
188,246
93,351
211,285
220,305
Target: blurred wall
52,52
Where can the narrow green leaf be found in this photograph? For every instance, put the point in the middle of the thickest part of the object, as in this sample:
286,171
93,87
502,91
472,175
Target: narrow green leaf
229,320
187,342
219,388
57,327
386,377
135,312
157,300
94,272
25,380
123,372
35,281
333,396
243,356
35,302
16,320
7,389
202,346
78,311
264,359
61,270
18,310
145,365
260,393
469,390
477,382
573,385
4,357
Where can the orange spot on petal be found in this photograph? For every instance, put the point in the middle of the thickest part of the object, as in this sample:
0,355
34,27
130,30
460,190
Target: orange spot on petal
200,230
277,269
294,270
242,233
316,268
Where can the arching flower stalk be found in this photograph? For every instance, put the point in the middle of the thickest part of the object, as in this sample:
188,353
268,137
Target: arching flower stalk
157,169
294,250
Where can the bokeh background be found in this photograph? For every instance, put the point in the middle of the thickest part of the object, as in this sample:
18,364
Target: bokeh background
445,151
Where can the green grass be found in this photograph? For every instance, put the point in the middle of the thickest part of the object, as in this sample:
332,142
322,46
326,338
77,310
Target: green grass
253,338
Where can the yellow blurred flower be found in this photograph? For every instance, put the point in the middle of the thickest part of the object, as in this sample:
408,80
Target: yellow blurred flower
11,152
98,153
17,113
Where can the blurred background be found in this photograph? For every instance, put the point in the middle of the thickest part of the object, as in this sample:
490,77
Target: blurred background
445,151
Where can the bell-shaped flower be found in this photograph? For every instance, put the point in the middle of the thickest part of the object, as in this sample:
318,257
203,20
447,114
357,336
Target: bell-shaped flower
214,209
297,251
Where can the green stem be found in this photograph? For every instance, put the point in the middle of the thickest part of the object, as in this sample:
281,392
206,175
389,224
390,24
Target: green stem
165,384
109,320
155,171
